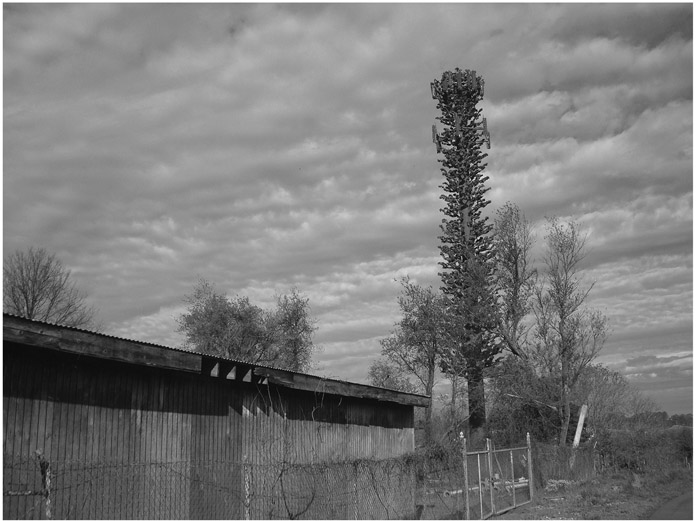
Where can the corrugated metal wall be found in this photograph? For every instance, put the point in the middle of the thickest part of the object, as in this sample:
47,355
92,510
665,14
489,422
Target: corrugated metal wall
308,427
307,453
126,441
122,441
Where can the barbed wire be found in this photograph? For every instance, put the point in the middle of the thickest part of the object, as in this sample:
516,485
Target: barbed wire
425,484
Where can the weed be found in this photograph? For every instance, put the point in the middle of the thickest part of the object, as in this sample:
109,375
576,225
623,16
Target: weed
592,494
670,475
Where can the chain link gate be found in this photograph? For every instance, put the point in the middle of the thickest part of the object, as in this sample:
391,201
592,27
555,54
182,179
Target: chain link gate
476,484
496,480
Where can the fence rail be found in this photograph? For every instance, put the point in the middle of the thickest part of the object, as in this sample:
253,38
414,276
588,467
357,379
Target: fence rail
502,479
474,484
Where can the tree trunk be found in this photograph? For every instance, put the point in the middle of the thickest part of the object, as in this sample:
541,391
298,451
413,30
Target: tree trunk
429,409
477,401
565,403
453,404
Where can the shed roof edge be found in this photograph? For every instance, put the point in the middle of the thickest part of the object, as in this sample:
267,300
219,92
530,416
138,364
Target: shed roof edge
100,345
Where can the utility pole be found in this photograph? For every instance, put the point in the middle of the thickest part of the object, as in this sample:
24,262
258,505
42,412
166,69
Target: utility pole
466,247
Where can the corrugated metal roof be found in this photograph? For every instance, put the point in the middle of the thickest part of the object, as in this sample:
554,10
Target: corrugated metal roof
417,398
92,332
142,342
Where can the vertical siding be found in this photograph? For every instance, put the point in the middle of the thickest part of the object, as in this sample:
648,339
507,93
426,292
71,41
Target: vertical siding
129,442
102,431
299,428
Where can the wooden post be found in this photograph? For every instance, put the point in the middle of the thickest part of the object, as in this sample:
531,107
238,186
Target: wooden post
530,468
489,458
247,490
578,434
578,431
45,468
466,478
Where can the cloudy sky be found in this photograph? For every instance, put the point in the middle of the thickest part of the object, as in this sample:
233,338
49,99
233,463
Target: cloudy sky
267,146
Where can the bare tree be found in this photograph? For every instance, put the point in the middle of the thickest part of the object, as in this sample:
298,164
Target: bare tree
514,276
568,336
522,399
37,286
415,344
610,398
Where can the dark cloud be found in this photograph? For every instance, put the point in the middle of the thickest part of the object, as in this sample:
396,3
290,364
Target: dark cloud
636,24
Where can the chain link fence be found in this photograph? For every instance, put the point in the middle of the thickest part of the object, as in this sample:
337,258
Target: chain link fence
430,484
94,490
360,489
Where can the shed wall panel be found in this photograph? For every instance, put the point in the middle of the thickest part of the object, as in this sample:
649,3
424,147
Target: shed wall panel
127,441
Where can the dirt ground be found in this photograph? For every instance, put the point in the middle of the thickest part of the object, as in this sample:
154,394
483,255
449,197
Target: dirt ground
681,507
611,496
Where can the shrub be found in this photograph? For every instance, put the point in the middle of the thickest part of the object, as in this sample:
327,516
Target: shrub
683,442
654,450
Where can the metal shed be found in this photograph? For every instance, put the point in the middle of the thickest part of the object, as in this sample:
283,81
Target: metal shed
102,427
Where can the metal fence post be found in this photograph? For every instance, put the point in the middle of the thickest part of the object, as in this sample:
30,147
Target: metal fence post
530,468
480,483
512,479
489,459
466,479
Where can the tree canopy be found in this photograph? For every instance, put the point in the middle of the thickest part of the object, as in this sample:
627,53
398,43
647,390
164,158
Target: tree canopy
236,328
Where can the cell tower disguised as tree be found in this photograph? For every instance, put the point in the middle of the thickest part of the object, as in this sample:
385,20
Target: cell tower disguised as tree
466,247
